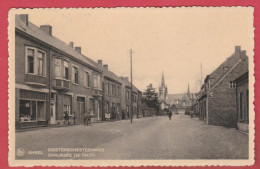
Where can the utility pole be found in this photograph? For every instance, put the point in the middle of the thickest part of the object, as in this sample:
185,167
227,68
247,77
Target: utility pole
131,118
200,74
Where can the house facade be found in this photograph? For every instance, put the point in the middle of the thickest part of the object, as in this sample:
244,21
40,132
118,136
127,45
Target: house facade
112,108
216,99
53,78
242,102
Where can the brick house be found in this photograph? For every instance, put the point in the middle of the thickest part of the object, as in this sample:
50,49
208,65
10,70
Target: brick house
242,102
52,77
136,99
112,94
216,101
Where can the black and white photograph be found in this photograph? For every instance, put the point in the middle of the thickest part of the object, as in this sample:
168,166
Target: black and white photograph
131,86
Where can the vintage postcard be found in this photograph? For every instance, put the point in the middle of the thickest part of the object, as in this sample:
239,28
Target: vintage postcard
131,86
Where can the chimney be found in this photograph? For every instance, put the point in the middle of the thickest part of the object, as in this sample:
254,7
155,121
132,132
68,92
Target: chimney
47,29
105,66
99,62
237,49
78,49
24,18
243,54
71,44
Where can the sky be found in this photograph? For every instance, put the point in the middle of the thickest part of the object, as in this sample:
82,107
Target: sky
175,41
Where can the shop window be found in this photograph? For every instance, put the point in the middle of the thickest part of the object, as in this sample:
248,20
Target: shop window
32,111
35,61
40,111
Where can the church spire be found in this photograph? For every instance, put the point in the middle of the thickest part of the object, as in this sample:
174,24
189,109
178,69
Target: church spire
163,83
188,92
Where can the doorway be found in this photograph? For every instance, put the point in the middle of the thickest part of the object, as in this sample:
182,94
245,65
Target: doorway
80,110
53,113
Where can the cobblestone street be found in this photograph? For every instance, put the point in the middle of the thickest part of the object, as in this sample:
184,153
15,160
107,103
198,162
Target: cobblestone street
146,138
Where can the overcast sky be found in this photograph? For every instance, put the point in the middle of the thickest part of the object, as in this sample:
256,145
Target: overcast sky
173,40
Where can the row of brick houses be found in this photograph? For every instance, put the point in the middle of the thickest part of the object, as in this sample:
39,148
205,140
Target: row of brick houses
53,77
223,99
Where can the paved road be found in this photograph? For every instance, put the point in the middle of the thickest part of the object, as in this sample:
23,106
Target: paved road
146,138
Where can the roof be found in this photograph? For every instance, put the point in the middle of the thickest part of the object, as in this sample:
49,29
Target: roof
229,63
180,96
242,77
111,76
39,34
128,84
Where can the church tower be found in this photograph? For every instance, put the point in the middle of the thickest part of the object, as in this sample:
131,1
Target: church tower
163,90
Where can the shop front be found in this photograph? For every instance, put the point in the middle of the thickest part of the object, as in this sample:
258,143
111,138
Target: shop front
32,109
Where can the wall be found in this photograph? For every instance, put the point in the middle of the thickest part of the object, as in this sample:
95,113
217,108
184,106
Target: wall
222,107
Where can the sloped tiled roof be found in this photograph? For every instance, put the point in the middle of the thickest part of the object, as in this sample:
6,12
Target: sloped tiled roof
39,34
111,75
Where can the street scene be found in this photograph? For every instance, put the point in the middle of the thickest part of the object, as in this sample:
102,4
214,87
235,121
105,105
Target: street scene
147,138
153,84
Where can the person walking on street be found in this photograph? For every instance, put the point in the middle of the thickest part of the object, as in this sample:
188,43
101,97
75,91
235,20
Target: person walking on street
86,118
170,115
66,117
74,118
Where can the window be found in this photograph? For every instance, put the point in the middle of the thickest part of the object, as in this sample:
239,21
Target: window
30,61
66,70
97,79
86,79
107,88
127,95
111,89
35,61
57,67
75,75
117,90
232,85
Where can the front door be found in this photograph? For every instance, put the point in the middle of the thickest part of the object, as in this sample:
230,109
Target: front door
53,113
80,110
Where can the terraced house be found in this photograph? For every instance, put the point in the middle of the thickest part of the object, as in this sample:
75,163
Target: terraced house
54,78
112,95
217,98
126,103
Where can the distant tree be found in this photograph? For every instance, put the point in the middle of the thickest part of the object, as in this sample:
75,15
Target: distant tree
150,97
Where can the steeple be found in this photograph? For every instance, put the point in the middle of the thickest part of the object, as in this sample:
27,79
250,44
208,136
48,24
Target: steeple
188,92
163,83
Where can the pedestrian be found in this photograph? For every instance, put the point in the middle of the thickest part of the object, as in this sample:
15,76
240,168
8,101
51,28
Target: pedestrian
74,118
170,115
87,118
66,117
